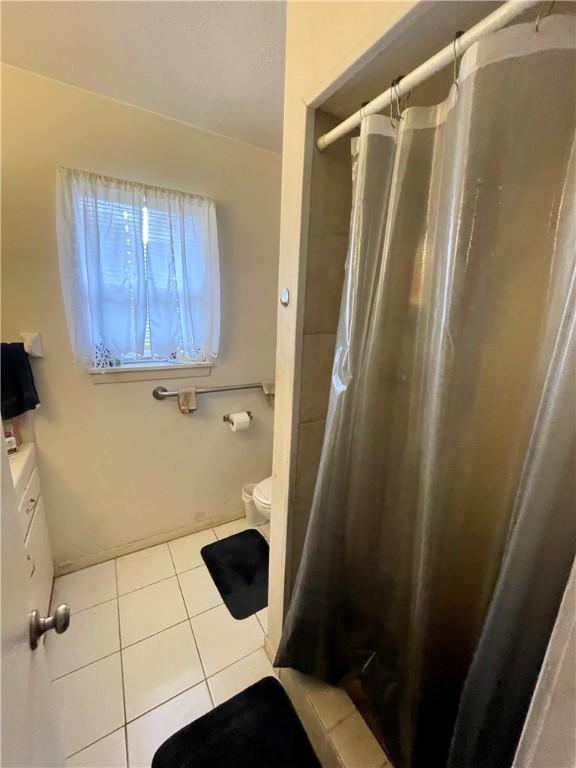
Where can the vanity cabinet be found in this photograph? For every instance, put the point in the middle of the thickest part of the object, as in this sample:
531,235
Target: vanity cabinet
34,527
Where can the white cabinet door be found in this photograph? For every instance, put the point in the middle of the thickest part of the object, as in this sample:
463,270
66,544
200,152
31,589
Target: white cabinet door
30,733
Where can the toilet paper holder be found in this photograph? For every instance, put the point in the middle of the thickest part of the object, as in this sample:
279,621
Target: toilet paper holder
227,420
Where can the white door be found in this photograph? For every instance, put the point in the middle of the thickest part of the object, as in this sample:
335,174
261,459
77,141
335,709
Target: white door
30,731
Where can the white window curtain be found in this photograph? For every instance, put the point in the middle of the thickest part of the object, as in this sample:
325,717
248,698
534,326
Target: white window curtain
140,271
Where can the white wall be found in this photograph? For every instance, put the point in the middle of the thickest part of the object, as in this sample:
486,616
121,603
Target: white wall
117,466
325,37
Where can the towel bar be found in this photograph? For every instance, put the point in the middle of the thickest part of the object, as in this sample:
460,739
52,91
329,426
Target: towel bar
161,393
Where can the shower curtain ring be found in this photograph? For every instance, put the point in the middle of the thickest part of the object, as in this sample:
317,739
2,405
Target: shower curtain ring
455,59
543,15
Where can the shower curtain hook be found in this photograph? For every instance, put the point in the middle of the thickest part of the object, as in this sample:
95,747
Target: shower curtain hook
407,99
398,107
455,59
543,15
396,99
391,105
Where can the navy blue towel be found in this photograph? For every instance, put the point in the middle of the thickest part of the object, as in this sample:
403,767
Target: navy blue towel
18,388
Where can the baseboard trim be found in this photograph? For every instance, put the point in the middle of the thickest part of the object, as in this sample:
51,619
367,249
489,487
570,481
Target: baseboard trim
85,561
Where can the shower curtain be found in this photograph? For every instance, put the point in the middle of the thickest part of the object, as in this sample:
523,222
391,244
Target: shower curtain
442,528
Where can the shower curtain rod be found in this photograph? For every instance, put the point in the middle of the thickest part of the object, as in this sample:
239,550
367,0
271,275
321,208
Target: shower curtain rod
499,18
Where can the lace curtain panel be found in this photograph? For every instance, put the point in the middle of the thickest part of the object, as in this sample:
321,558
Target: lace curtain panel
139,270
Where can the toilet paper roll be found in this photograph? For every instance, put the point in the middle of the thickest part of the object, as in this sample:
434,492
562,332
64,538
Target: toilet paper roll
239,421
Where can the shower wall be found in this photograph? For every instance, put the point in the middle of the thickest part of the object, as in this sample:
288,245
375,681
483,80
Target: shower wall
328,229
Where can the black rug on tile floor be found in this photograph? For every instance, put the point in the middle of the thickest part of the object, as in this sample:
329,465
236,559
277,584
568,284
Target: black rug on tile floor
257,728
239,567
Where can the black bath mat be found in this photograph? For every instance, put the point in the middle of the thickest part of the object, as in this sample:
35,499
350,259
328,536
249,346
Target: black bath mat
257,728
239,568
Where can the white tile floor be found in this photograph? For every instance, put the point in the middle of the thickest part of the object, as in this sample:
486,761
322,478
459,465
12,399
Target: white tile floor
150,647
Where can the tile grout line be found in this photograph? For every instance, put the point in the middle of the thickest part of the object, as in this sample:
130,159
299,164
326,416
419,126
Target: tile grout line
102,658
205,679
199,613
337,723
194,567
242,658
142,640
136,589
330,730
167,701
118,595
259,622
154,634
90,607
246,528
121,649
121,664
131,592
157,706
85,666
145,586
92,743
260,647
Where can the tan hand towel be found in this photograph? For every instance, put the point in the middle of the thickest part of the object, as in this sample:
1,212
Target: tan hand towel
187,400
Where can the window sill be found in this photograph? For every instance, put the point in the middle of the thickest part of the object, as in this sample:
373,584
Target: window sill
159,372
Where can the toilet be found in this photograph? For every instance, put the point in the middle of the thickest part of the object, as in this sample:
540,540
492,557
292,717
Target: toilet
262,498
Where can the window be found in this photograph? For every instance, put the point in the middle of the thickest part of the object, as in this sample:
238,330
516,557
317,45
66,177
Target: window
140,272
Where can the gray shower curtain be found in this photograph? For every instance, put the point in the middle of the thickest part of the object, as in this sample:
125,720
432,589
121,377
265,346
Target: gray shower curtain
442,528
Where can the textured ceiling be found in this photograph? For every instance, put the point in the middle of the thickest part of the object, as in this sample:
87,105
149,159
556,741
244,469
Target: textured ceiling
218,65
